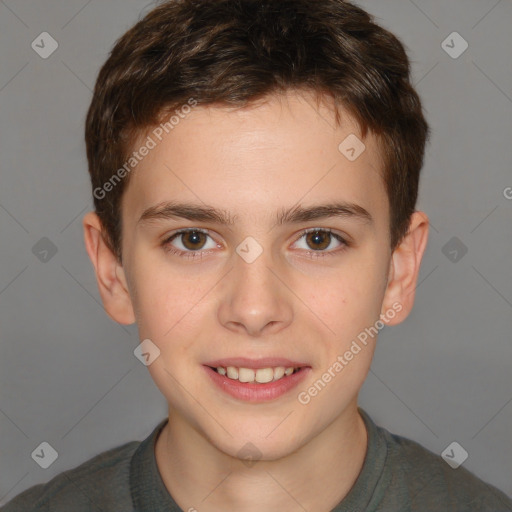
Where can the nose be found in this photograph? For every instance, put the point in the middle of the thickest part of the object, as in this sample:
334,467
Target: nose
254,298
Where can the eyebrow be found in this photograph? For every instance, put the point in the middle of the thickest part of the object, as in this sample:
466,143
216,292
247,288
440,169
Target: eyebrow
194,212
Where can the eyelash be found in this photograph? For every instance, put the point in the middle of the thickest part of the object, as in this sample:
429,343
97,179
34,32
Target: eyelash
166,244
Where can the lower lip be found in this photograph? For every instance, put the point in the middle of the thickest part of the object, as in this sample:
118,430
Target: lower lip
255,392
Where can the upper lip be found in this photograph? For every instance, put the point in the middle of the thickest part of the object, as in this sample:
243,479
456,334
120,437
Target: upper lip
265,362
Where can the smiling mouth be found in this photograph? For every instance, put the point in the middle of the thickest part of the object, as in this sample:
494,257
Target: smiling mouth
260,375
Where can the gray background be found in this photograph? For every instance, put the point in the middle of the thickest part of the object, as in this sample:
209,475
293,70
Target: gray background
68,375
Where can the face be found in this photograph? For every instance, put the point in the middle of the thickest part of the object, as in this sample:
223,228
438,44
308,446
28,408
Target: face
295,290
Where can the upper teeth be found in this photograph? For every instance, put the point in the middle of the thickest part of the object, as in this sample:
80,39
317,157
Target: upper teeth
261,375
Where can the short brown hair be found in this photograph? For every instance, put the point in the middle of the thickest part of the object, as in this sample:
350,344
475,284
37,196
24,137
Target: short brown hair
234,52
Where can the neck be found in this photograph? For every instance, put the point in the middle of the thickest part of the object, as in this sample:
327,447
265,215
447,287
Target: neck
317,476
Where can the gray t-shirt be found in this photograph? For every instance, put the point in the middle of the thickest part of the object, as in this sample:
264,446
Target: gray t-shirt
397,475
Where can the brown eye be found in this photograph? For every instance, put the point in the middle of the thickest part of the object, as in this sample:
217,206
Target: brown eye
189,241
318,240
321,242
193,240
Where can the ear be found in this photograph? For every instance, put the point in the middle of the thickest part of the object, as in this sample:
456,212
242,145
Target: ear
404,269
109,272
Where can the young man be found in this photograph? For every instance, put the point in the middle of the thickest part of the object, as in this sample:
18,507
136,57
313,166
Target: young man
255,167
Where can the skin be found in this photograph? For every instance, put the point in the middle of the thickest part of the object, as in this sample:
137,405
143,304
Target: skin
253,162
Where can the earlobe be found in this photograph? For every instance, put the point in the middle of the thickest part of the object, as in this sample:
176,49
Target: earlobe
110,275
404,269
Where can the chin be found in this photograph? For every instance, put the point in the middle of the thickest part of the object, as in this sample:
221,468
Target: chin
253,445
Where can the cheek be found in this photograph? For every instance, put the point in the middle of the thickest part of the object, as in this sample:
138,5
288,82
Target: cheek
172,308
351,299
350,311
158,299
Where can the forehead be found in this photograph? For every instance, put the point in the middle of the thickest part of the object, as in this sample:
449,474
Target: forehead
269,155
